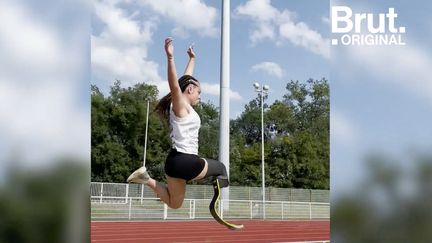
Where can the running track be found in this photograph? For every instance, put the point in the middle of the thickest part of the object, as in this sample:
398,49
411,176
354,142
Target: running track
209,231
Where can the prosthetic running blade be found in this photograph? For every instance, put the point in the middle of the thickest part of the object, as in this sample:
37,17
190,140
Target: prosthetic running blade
213,210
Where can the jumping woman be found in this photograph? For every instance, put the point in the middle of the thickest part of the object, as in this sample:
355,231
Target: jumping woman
183,163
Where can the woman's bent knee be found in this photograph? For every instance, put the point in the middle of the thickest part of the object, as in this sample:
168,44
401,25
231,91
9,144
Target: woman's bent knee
176,191
175,205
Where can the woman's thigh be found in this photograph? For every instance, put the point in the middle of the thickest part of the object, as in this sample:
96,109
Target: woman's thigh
203,173
184,166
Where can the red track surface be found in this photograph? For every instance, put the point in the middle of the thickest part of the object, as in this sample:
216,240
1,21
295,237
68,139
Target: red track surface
209,231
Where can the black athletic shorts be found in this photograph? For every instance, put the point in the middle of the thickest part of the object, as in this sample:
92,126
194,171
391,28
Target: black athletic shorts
183,166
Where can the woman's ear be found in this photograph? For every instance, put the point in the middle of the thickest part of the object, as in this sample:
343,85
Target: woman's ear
190,89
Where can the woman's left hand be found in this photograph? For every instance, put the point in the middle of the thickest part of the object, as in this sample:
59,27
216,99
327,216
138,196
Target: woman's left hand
191,52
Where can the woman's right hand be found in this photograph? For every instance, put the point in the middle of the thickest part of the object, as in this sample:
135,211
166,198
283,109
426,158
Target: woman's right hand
169,48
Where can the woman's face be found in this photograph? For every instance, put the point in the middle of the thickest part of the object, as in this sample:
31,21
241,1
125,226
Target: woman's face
195,94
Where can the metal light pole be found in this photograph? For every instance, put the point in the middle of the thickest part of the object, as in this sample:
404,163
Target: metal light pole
145,146
145,139
263,90
224,98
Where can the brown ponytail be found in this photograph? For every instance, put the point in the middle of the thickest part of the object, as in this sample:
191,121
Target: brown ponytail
162,108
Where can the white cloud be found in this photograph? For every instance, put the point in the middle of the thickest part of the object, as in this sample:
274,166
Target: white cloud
181,32
214,89
270,68
279,26
325,20
264,30
408,66
261,9
234,95
27,43
121,28
44,122
301,35
121,49
342,129
186,15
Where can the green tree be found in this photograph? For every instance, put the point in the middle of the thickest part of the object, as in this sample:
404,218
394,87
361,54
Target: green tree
249,122
209,131
296,133
118,133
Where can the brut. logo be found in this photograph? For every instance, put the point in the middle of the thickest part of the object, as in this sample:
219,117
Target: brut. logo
365,28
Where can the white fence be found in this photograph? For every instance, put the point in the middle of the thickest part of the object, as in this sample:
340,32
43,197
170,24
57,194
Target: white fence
206,192
131,208
111,201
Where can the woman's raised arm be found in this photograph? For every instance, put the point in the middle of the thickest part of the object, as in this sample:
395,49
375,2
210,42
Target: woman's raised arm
191,64
179,105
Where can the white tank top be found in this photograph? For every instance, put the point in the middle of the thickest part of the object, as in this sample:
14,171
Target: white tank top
184,131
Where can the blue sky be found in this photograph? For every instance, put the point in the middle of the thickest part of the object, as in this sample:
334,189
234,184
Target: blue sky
262,48
44,83
381,96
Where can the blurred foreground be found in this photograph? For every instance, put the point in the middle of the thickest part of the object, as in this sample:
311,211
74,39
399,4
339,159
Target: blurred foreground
393,204
46,206
44,116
